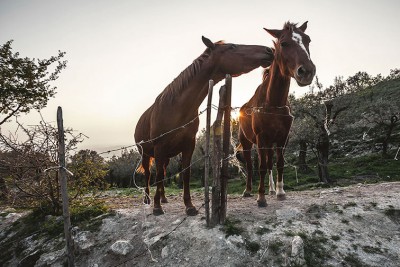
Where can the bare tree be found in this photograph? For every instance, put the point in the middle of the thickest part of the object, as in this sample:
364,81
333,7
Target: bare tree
30,166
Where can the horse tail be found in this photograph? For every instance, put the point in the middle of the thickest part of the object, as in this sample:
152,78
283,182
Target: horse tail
141,168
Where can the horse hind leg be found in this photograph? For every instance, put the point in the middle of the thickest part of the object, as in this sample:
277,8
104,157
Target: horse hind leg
163,197
269,172
146,167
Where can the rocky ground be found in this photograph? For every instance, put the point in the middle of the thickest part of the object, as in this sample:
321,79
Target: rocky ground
353,226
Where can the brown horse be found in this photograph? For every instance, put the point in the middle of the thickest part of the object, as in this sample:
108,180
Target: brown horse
266,120
169,126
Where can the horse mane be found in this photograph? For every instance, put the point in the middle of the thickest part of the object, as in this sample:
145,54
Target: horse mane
182,80
265,73
289,26
266,70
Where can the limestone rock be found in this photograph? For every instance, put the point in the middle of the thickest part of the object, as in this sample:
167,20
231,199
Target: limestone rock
298,251
121,247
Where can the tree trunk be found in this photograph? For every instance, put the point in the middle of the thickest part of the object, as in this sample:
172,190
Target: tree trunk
301,162
323,153
389,131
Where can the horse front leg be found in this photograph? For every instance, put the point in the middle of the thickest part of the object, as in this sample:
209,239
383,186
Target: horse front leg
262,158
270,154
280,164
186,159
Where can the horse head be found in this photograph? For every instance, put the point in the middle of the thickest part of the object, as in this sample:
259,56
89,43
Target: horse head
237,59
292,53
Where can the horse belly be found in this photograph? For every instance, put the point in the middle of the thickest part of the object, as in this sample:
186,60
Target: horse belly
272,127
175,142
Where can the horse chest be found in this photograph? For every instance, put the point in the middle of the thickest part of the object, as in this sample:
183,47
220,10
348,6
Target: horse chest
271,124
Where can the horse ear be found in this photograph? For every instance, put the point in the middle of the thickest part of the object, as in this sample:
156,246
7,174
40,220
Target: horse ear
208,42
303,27
274,33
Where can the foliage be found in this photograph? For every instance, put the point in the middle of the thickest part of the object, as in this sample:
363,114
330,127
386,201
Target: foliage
25,82
89,170
121,168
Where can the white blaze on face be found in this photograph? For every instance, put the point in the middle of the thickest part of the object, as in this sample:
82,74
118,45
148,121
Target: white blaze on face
299,40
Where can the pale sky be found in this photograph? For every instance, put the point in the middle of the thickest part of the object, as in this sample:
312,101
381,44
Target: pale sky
122,54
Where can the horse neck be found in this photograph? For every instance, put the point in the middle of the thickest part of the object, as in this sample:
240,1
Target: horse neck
277,87
197,90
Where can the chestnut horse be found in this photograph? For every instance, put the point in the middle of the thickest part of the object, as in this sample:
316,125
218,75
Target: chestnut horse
266,120
169,126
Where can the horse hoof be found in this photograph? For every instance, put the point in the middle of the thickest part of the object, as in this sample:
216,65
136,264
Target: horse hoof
272,193
164,200
281,197
146,201
191,211
262,203
247,194
158,211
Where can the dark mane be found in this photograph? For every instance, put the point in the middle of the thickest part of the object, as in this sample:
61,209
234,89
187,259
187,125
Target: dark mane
183,79
265,74
266,70
289,26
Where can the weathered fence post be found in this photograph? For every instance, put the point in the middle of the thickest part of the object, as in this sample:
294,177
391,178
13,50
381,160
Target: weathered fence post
207,152
216,160
226,146
64,192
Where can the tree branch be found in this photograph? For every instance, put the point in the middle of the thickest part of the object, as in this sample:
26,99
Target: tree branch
10,115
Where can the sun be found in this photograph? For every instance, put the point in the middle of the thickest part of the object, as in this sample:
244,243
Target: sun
235,114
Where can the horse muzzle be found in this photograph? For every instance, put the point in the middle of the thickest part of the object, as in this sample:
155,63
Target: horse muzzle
304,74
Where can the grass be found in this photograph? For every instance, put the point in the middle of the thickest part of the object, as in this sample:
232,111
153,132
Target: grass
393,213
353,260
263,230
344,171
231,227
372,250
252,246
276,246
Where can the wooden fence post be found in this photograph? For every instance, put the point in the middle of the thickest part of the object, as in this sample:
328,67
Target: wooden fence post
216,161
226,146
64,191
207,152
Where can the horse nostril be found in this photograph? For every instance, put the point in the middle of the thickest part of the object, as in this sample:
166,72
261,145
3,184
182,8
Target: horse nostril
301,71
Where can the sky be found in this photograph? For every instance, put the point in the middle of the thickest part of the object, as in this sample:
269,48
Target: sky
122,54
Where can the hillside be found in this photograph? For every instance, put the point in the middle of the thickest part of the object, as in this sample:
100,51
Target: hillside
364,124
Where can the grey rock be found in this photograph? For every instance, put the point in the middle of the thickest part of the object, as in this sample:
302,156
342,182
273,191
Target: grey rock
121,247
